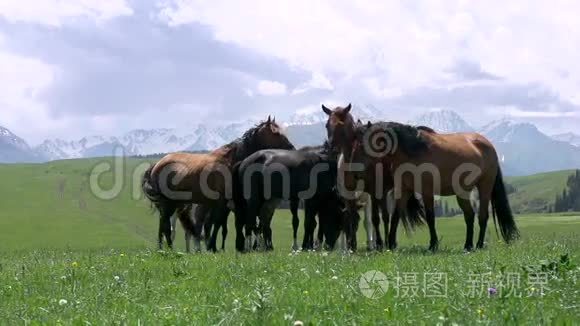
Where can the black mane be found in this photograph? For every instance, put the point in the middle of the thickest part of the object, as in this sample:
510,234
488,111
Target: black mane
245,145
408,138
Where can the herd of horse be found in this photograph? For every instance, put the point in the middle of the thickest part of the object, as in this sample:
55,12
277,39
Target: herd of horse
398,168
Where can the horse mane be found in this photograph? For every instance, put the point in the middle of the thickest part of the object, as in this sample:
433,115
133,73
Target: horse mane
427,129
242,146
408,138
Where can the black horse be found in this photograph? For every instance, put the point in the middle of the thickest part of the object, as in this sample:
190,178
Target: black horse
266,177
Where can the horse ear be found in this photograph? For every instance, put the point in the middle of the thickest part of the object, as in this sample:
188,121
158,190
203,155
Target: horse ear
326,110
274,120
369,124
347,108
269,120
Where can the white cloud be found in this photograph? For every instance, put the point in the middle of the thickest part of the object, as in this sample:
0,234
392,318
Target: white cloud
54,12
271,88
403,45
318,81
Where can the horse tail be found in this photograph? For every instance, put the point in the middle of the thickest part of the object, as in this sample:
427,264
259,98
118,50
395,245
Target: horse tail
415,214
501,207
150,188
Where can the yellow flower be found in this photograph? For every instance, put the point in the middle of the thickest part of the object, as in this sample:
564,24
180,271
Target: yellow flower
480,312
305,292
74,264
386,309
122,255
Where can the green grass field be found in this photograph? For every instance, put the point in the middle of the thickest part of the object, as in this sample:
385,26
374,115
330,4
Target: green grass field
68,257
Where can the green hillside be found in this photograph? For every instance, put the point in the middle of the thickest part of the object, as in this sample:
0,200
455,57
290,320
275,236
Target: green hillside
536,192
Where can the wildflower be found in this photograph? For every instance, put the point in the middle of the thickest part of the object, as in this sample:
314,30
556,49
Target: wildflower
62,302
298,323
74,264
480,312
122,255
305,292
317,272
63,277
117,278
386,309
492,291
335,277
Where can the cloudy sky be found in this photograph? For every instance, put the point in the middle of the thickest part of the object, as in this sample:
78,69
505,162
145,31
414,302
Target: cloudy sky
70,68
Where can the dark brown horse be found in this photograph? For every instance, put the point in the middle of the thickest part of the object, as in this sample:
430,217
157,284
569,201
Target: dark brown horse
340,129
180,179
425,162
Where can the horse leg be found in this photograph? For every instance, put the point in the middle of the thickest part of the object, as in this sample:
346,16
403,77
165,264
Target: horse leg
239,222
322,225
250,225
166,210
469,216
385,215
173,227
294,203
376,225
310,209
189,225
394,224
160,235
484,199
224,233
429,202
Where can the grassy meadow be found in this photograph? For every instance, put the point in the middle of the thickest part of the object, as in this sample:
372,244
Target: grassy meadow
68,257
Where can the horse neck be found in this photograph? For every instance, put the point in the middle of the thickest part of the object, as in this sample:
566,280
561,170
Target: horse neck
233,152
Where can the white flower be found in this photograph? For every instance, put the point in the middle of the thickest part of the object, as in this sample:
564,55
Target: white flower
335,277
117,278
298,323
62,302
63,277
317,272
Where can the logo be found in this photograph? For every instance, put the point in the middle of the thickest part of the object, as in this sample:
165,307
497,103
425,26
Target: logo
373,284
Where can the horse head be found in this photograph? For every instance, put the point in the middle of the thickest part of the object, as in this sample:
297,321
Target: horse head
340,126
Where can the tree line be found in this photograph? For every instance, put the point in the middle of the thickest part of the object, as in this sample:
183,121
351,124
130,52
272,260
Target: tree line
569,200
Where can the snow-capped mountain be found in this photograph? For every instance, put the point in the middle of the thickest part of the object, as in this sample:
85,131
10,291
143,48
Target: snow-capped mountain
145,142
58,149
442,121
15,149
568,137
524,149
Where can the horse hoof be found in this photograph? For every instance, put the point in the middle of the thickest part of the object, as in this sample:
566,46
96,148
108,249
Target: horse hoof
433,247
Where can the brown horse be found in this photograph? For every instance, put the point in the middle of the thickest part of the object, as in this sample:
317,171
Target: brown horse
425,162
180,179
340,129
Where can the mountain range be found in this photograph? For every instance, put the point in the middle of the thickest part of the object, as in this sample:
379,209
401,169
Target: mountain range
523,148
